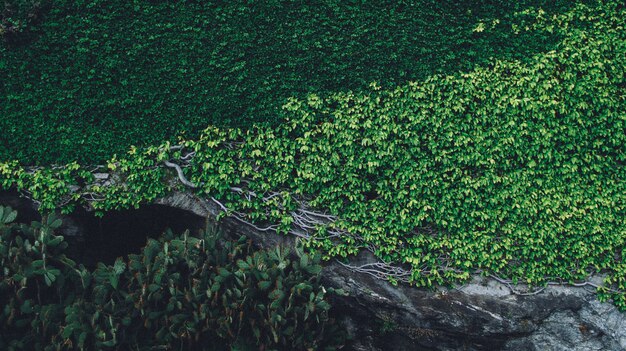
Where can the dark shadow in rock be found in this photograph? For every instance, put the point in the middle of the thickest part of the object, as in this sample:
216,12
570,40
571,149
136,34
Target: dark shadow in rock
119,233
26,209
94,239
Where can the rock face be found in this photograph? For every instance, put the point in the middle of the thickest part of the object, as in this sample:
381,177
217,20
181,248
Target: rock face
481,315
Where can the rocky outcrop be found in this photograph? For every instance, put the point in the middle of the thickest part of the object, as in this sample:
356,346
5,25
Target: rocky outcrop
481,315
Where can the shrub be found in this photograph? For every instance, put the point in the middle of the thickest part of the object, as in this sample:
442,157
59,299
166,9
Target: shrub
188,291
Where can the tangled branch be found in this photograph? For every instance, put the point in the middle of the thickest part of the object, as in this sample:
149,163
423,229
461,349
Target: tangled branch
306,222
510,285
381,270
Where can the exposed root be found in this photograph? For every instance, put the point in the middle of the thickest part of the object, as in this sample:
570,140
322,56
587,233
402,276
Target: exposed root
305,224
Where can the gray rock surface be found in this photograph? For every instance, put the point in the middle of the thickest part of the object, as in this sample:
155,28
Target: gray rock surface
481,315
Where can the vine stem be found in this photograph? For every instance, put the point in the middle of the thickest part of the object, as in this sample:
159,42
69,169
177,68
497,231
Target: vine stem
181,175
306,220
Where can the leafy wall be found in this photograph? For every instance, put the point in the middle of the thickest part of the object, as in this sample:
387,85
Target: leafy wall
515,169
91,78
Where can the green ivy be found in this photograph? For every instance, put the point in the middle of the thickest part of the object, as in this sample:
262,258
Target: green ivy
94,77
514,169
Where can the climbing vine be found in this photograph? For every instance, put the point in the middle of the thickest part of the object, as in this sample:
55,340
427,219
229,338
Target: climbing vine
515,169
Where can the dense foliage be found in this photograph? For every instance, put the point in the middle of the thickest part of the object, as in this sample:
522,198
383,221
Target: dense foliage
97,76
516,169
182,292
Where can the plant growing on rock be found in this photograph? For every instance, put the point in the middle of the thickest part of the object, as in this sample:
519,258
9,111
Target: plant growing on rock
514,170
